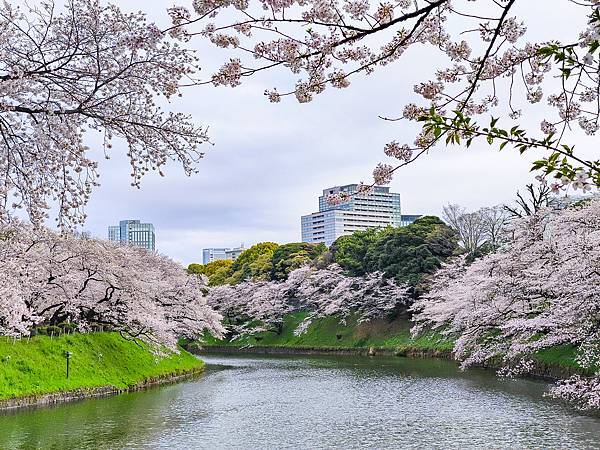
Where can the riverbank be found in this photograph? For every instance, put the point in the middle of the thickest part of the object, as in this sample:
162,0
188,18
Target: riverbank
33,372
358,351
329,333
377,337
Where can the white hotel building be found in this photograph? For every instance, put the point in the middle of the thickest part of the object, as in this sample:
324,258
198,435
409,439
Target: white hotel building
379,208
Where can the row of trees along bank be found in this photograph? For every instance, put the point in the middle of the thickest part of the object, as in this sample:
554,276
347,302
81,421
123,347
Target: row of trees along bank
536,293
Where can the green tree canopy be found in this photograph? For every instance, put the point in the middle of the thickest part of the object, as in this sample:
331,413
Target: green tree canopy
350,251
292,256
406,254
254,263
217,271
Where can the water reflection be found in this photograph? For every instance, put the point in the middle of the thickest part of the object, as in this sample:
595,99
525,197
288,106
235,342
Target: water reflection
314,402
96,423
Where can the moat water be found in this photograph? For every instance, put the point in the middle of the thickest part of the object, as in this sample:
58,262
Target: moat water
311,402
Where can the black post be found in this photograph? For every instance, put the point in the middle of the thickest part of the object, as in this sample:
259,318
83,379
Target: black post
68,356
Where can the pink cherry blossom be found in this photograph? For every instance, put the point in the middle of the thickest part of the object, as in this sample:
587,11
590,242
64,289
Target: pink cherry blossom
327,43
47,278
66,71
256,306
541,290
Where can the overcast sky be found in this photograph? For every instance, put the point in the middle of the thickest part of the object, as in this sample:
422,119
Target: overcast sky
269,162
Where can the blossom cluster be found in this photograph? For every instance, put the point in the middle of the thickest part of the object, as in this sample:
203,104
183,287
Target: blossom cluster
255,306
540,291
47,278
88,68
486,64
580,181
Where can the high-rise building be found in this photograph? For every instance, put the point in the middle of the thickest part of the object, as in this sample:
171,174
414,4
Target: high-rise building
215,254
378,208
133,232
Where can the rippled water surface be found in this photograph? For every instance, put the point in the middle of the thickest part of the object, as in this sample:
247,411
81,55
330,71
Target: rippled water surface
314,403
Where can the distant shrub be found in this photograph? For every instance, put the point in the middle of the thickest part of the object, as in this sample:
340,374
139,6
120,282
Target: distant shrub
67,328
42,331
53,330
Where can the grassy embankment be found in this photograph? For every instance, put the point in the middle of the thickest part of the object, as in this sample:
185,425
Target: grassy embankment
38,366
327,333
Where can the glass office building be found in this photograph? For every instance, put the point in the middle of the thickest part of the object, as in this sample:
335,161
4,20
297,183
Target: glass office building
133,232
378,208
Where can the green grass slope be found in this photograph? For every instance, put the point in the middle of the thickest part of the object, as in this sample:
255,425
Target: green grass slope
38,366
328,332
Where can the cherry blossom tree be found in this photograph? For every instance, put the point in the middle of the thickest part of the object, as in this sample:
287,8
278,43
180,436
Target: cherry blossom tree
47,278
329,292
66,72
542,291
487,67
251,307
